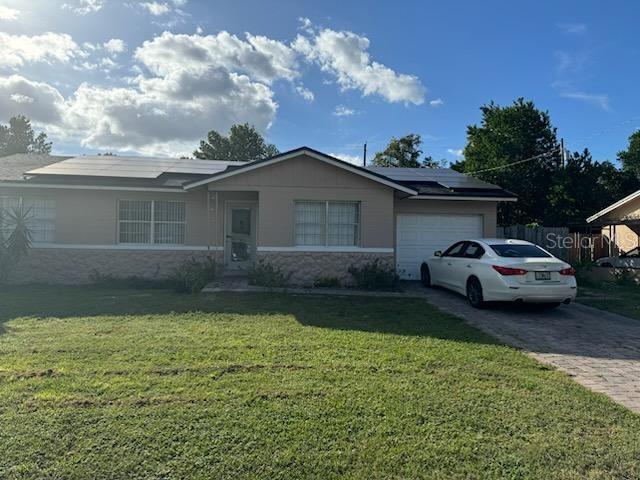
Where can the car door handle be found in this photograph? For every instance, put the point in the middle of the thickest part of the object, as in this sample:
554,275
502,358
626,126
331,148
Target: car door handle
449,263
468,266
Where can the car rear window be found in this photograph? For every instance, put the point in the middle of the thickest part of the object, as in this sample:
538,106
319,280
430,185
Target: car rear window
519,251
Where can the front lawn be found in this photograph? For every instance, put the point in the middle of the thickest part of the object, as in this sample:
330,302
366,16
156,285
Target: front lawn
616,298
120,384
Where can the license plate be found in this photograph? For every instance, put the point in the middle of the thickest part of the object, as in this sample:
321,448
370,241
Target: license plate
543,275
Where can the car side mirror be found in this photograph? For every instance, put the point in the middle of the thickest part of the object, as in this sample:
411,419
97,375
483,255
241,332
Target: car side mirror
437,253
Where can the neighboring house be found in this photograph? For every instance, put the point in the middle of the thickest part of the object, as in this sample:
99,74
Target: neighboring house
307,212
620,223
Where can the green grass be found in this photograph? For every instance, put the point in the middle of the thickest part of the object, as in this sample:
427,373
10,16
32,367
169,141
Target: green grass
98,383
616,298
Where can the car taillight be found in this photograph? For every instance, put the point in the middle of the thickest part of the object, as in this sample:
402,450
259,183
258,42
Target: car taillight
570,272
509,271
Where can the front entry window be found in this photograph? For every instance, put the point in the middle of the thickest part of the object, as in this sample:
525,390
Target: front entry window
241,221
240,237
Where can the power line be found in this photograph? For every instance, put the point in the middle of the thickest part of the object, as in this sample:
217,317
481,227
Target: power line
530,159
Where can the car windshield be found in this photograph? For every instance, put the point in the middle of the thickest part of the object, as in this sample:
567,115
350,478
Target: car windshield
519,251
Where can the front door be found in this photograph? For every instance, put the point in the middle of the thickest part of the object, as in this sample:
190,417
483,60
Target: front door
240,235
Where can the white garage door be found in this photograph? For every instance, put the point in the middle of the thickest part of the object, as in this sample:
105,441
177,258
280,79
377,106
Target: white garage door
419,235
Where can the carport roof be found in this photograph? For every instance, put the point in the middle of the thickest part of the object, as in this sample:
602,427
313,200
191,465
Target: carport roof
603,217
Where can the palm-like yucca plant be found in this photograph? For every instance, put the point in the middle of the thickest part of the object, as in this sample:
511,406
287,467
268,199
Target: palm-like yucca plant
15,238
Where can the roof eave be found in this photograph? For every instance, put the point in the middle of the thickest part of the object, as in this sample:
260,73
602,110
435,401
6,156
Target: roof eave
311,153
613,206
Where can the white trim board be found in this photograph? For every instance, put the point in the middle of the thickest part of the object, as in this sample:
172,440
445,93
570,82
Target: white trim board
166,248
326,249
297,153
89,187
444,197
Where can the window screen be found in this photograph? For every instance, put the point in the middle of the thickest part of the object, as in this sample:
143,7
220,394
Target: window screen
327,223
41,217
149,221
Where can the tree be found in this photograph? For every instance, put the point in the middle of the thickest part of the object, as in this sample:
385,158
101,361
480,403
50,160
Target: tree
584,187
404,152
19,137
630,157
502,149
243,143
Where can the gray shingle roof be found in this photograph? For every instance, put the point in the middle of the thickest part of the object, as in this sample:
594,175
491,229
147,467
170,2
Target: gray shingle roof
13,167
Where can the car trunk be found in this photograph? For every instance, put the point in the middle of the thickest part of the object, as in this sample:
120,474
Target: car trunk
539,270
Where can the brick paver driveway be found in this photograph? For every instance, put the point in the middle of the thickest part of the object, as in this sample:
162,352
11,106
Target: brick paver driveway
600,350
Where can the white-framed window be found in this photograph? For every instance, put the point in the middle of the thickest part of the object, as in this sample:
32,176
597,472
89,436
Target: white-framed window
151,222
41,217
326,223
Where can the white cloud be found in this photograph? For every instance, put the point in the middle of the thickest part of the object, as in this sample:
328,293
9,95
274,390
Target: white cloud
572,28
19,98
305,93
83,7
262,58
456,152
156,8
344,55
182,85
115,46
7,13
571,62
39,101
354,159
16,50
436,103
342,111
599,100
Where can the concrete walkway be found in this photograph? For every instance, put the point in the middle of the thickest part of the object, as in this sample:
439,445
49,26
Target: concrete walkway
599,350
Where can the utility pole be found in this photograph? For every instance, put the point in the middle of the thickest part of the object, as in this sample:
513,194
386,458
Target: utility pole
364,163
562,152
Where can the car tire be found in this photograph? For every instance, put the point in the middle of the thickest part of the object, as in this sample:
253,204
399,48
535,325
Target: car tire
474,293
425,276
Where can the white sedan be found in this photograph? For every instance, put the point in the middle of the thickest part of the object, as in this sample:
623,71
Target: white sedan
501,270
630,259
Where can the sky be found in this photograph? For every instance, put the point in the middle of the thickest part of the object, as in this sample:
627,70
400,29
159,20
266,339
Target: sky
152,77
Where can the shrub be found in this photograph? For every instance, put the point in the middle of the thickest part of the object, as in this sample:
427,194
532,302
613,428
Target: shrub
265,274
626,277
190,277
15,244
327,282
193,275
373,276
133,282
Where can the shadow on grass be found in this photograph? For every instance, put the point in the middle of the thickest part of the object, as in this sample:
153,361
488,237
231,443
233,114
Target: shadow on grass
399,316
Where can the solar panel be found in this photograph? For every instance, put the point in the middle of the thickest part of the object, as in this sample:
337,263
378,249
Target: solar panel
444,176
134,167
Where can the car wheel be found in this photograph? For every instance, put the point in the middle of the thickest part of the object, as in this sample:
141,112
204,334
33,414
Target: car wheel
474,293
425,276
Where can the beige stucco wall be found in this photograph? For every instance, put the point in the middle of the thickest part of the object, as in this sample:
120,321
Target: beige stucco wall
488,210
89,217
626,238
280,185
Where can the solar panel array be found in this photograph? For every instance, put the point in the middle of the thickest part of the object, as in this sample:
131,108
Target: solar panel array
131,167
444,176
